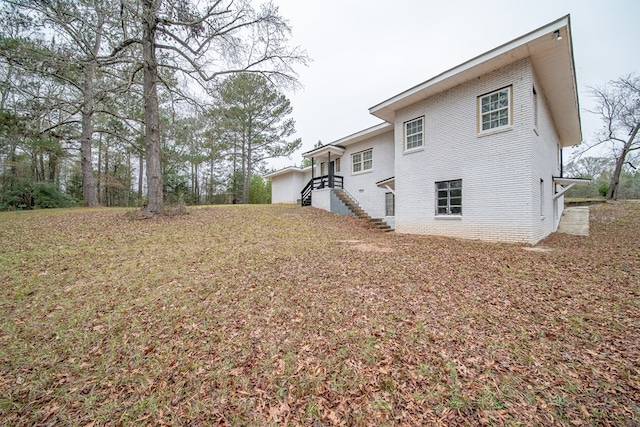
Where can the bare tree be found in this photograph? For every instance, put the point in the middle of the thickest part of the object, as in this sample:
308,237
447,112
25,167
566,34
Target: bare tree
205,42
618,105
71,43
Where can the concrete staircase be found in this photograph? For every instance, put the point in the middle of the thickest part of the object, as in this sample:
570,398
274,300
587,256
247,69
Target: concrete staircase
359,212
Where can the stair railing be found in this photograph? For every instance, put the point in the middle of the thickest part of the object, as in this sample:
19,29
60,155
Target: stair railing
318,182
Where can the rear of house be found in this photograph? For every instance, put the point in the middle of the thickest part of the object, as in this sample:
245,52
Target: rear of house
467,181
474,152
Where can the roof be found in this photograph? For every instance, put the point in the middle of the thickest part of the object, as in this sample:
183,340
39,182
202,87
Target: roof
289,169
351,139
551,51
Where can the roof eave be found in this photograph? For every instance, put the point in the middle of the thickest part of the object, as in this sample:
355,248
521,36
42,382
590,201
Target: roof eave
505,54
351,139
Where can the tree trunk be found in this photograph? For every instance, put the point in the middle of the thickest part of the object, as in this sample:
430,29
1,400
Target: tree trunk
53,166
106,176
86,138
99,184
612,193
614,183
140,174
247,176
155,201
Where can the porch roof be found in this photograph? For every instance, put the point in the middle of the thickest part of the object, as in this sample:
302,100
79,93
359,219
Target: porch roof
551,51
389,182
325,151
569,183
288,169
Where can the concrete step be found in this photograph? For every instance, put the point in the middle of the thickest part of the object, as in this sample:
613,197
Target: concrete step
575,220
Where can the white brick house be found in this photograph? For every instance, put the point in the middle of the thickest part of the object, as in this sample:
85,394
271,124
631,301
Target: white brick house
475,152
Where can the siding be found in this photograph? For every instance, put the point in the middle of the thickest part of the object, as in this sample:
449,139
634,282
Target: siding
495,168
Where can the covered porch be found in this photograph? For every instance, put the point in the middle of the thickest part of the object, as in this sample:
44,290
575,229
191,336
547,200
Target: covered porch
325,166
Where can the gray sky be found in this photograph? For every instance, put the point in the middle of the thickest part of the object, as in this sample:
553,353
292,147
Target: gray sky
366,51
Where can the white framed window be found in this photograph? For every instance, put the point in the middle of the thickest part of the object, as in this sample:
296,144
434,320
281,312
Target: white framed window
414,134
362,161
449,197
389,204
337,165
494,109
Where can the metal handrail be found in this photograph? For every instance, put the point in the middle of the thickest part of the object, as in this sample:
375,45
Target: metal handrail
318,182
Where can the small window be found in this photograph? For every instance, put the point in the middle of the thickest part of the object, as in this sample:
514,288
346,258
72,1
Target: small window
362,161
389,204
449,197
337,165
322,169
495,109
413,133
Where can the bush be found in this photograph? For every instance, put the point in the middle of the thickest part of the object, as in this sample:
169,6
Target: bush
47,195
603,189
39,195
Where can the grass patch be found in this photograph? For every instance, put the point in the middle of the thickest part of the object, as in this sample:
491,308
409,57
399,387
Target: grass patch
270,315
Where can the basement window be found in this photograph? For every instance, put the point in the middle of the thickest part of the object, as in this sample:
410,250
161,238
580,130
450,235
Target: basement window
389,204
449,197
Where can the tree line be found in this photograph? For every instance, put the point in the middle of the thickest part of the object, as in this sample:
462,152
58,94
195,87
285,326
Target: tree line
615,173
140,101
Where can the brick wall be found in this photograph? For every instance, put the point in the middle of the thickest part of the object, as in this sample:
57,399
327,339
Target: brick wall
286,188
362,186
500,189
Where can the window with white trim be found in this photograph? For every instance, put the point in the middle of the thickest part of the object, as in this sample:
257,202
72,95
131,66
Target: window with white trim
389,204
449,197
413,133
495,109
362,161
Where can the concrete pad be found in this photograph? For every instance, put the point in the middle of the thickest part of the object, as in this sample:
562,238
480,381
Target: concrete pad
575,220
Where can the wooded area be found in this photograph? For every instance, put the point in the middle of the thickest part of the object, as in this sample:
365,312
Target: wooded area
127,103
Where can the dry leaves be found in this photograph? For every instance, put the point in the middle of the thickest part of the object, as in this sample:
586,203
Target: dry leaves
280,315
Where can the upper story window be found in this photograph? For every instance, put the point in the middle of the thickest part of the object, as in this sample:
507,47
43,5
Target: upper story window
413,133
495,109
362,161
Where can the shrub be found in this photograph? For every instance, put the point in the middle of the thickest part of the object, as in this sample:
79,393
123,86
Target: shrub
603,189
39,195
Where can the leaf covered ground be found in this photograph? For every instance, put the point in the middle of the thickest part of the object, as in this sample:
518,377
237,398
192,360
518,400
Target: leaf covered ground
281,315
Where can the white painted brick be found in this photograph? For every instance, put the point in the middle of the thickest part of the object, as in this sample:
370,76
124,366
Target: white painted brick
500,172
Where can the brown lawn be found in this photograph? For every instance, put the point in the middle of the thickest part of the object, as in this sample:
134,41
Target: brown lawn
281,315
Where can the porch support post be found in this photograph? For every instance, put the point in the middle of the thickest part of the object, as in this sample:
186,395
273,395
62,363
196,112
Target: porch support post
313,169
330,169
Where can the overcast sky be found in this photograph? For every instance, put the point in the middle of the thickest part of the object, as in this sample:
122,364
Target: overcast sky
366,51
